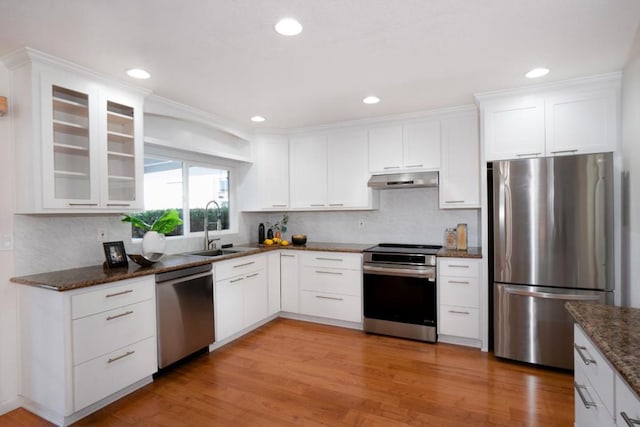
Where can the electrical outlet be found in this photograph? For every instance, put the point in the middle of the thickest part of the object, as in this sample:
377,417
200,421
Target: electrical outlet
102,235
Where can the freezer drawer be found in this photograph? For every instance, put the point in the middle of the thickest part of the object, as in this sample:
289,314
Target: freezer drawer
532,325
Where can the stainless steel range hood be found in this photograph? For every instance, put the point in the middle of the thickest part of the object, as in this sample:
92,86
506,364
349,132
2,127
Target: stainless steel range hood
404,180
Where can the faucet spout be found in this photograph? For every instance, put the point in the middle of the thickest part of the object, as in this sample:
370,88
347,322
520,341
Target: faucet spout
207,241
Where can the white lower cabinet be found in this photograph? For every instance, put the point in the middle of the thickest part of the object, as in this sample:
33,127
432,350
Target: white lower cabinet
459,300
241,294
290,282
331,285
82,348
602,397
273,278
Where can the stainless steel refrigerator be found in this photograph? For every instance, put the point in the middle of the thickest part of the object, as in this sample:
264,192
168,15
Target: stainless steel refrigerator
552,243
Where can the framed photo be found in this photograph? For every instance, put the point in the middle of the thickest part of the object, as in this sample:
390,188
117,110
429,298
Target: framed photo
115,254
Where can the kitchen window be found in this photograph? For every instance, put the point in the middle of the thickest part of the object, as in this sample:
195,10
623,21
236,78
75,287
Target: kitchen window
187,187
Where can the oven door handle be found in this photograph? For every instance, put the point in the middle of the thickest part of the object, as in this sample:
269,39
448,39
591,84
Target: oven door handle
427,273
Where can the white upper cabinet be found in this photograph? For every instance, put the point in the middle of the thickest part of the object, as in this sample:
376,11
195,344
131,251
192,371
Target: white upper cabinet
578,117
408,146
330,171
308,164
385,149
268,178
514,128
460,169
348,170
78,139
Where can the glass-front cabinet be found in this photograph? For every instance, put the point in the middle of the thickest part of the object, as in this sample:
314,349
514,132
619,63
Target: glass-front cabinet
78,139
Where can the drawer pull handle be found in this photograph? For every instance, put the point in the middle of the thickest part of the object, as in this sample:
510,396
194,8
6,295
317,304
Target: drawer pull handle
391,167
630,421
278,206
331,298
575,150
236,280
459,312
336,204
458,282
337,273
414,166
128,291
126,313
252,275
454,201
329,259
317,205
580,349
83,204
119,204
128,353
244,265
288,255
527,154
458,266
587,404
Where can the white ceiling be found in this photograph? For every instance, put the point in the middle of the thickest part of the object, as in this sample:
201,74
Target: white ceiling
222,56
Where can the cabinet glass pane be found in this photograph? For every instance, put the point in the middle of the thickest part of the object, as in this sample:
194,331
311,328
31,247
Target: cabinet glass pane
120,152
71,149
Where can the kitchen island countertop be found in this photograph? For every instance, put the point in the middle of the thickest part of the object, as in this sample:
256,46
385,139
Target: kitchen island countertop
616,333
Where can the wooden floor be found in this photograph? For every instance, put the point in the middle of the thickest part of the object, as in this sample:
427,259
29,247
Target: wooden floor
296,373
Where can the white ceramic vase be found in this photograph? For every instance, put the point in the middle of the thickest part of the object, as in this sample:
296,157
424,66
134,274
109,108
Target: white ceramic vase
153,245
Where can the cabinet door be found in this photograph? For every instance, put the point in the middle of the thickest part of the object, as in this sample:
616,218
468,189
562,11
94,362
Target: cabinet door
308,163
584,122
229,307
627,403
273,279
255,297
385,149
422,145
70,145
273,158
514,128
289,282
460,171
348,169
121,155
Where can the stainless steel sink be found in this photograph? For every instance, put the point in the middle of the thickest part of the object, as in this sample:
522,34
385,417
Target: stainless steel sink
218,252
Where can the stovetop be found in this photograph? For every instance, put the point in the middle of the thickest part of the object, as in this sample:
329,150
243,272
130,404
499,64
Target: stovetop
400,248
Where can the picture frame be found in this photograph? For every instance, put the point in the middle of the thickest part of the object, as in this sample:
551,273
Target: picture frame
115,254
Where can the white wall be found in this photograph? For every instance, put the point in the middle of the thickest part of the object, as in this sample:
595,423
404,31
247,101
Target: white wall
8,302
404,216
630,281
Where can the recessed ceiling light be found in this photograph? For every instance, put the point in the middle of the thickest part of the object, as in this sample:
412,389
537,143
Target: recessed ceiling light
371,100
258,119
288,27
537,72
138,73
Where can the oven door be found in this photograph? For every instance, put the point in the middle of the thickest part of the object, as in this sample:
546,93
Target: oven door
400,295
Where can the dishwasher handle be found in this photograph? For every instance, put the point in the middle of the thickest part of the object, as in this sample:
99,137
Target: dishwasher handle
186,279
183,272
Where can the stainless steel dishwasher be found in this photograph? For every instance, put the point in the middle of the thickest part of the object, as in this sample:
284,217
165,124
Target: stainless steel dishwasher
185,312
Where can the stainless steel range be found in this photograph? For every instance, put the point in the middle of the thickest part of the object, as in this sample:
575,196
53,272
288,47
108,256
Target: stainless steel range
399,288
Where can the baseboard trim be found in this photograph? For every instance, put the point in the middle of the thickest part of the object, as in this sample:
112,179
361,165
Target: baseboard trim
10,405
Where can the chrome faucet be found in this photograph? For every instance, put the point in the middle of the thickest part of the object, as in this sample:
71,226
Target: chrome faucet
207,241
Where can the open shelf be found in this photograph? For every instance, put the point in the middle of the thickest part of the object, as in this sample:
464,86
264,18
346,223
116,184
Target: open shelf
120,178
70,107
70,174
119,135
70,149
72,128
122,155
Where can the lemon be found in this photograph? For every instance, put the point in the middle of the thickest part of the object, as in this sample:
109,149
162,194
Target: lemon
284,243
268,242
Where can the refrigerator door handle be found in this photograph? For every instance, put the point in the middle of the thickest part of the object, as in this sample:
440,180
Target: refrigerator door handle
550,295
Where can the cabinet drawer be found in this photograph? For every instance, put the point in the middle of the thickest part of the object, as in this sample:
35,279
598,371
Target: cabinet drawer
109,297
460,291
105,332
332,306
627,402
590,412
459,321
100,377
457,267
332,280
594,366
332,260
239,266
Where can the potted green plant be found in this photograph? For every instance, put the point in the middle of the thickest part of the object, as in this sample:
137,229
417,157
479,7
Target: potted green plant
153,241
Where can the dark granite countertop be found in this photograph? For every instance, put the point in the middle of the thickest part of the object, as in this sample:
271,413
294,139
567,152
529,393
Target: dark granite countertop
65,280
471,252
616,333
